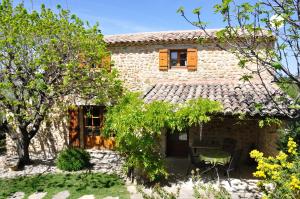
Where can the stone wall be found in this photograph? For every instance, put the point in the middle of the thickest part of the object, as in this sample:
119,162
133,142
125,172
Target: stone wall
139,66
267,142
52,137
247,133
106,161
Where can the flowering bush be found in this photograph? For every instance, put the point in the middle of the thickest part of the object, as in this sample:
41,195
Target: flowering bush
281,174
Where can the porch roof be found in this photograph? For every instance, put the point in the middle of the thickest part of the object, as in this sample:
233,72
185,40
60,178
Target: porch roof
239,98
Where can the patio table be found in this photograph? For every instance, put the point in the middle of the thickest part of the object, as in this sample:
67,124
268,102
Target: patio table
214,157
204,147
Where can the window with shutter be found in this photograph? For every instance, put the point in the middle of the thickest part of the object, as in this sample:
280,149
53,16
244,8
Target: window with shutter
81,59
163,60
178,58
192,59
105,62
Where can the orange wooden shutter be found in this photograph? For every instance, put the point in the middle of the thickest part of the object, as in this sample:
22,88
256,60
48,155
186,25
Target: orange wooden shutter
163,59
192,59
74,135
81,59
106,62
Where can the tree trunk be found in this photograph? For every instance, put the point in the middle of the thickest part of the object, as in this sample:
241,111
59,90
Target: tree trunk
23,150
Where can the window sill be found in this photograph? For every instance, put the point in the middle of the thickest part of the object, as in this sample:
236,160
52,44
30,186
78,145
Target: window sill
178,67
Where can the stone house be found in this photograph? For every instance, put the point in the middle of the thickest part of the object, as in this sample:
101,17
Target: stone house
173,66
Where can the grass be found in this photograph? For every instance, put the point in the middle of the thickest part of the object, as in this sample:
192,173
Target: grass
98,184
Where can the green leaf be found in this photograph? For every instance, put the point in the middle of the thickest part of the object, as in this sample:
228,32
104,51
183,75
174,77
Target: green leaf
197,11
246,78
276,65
180,10
242,63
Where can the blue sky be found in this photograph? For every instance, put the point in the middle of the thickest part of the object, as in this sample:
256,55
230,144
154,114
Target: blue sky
129,16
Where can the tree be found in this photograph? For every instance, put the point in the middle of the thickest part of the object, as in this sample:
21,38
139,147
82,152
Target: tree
47,58
3,128
278,21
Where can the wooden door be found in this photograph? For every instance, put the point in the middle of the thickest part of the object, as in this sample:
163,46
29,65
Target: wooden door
177,144
74,137
93,117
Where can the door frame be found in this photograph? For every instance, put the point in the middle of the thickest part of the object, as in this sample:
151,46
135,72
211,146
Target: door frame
186,130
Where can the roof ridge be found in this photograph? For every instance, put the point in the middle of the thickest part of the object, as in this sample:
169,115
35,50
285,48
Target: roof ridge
164,31
165,36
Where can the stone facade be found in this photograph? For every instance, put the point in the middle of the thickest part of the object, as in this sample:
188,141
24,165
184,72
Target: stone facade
247,133
268,137
106,161
52,137
139,66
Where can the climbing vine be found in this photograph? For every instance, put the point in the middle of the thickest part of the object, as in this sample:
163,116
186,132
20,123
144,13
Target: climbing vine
137,128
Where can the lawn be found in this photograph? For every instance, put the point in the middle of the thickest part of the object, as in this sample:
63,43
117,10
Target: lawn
98,184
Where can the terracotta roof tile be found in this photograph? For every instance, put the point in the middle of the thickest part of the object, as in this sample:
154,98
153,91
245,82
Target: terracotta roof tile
236,98
157,37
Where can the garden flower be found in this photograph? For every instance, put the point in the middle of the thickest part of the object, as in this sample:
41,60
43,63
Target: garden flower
259,174
256,154
295,183
292,146
281,156
275,175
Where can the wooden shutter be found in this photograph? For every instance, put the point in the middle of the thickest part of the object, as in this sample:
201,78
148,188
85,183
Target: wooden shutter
106,62
74,135
192,59
81,59
163,59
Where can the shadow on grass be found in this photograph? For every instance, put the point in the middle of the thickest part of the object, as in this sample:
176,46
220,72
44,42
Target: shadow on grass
77,184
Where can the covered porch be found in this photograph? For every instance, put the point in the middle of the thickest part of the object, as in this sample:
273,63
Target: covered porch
246,134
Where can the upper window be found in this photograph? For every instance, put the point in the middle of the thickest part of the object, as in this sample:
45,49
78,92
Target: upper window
178,58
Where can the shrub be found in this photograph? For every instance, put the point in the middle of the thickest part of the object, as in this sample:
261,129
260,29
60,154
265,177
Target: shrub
291,131
281,174
73,159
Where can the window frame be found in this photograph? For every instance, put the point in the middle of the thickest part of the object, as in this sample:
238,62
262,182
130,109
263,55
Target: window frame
178,58
94,128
